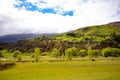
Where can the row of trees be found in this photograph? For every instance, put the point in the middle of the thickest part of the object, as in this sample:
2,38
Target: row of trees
90,53
17,54
69,53
106,52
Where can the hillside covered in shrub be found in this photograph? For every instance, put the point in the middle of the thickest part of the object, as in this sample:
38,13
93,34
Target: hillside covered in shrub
96,37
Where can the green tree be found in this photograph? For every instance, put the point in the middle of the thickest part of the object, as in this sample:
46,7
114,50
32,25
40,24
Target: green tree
37,54
95,53
116,52
69,54
110,52
55,53
15,53
83,53
90,54
19,57
75,51
107,52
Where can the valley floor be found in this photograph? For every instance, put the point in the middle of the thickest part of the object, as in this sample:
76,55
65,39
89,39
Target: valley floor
106,69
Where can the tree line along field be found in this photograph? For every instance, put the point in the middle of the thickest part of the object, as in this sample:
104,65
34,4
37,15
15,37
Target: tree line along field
71,66
55,54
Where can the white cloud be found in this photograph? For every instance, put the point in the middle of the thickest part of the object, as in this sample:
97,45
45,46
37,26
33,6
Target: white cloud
91,12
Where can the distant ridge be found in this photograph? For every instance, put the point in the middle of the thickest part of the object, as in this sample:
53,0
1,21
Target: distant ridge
16,37
114,24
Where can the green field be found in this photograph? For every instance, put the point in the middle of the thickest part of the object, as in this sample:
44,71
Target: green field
74,70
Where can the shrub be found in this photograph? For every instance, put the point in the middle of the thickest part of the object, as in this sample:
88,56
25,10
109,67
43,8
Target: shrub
83,53
6,65
111,52
116,52
95,53
106,52
74,51
15,53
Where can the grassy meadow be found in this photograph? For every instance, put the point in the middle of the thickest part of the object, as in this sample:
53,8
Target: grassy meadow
100,69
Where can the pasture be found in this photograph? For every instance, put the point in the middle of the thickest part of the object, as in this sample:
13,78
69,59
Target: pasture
100,69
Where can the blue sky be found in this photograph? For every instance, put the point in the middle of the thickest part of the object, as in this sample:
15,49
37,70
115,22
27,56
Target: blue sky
55,16
31,7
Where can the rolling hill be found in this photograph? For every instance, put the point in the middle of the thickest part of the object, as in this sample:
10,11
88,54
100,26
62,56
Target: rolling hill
98,30
97,37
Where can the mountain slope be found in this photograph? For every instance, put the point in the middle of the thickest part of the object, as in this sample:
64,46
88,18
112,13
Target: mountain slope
98,30
81,39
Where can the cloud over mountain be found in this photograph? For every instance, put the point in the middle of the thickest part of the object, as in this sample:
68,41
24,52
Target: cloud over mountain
48,16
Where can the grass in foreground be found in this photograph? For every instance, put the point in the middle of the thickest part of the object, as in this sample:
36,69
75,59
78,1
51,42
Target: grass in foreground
75,70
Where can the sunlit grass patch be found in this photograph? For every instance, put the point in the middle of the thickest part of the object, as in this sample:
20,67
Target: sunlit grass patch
74,70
